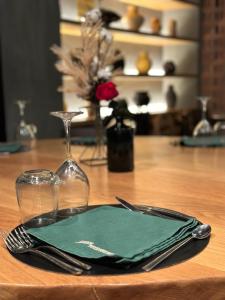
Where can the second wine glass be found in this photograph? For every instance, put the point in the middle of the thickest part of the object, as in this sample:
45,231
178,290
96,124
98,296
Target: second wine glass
74,187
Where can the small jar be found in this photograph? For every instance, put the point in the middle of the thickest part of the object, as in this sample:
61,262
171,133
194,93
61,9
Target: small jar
37,196
155,25
171,97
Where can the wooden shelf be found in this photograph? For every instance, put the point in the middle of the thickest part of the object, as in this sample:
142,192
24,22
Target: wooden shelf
72,29
132,78
135,78
162,5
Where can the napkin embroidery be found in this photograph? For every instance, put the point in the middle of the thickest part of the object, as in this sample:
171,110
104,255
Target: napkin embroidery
92,246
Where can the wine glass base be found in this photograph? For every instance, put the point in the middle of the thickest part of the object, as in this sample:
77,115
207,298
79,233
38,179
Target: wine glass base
40,221
68,212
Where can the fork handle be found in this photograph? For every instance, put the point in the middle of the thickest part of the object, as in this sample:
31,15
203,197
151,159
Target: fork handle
57,262
67,257
153,263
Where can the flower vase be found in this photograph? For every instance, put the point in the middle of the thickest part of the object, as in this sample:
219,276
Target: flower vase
95,155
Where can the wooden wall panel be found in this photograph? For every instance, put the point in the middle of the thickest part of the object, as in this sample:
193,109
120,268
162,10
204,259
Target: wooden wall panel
213,53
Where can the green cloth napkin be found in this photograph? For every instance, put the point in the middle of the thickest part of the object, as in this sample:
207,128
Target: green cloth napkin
209,141
10,148
114,232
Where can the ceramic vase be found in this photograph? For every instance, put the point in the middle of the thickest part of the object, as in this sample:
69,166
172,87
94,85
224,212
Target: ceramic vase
134,18
155,25
172,27
142,98
169,68
171,97
143,63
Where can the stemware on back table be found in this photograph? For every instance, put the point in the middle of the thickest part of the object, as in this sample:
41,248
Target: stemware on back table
203,127
25,133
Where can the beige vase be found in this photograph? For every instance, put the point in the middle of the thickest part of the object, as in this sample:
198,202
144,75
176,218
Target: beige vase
143,63
134,18
155,25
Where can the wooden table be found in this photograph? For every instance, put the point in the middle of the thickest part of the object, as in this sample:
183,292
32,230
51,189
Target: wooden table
184,179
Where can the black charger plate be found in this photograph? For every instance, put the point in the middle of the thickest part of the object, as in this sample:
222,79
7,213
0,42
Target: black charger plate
108,267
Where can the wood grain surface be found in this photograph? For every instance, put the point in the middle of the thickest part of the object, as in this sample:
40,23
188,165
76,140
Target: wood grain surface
190,180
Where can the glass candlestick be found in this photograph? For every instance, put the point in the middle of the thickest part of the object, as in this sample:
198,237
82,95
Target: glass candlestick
74,187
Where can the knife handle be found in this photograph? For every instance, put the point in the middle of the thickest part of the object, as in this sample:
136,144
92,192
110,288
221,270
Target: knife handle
72,260
153,263
57,262
171,214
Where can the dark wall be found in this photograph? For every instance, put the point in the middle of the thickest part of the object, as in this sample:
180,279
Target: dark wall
27,31
2,110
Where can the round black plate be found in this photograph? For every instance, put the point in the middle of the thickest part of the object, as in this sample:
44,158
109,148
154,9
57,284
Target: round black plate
105,267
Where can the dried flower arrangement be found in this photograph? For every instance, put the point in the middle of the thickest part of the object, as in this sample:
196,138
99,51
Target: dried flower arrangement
91,65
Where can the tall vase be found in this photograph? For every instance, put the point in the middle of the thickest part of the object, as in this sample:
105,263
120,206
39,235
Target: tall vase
95,155
143,63
134,18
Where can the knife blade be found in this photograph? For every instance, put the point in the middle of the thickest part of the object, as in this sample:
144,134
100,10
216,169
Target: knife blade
160,212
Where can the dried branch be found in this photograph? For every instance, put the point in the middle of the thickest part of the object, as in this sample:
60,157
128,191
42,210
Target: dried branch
83,64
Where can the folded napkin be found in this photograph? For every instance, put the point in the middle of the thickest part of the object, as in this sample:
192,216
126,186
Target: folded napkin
208,141
114,232
10,147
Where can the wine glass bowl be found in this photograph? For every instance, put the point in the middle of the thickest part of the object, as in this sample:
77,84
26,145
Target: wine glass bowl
203,127
74,186
37,197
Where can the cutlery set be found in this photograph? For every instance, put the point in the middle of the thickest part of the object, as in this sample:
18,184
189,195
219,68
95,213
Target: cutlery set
19,241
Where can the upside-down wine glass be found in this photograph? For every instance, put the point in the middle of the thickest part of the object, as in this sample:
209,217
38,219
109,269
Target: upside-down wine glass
74,186
203,128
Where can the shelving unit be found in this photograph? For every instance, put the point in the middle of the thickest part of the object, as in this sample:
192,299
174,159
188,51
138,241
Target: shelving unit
72,29
182,50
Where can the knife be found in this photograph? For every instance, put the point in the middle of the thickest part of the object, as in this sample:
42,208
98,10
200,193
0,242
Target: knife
160,212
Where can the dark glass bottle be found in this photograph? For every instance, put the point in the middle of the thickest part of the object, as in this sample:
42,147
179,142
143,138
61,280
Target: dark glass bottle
120,147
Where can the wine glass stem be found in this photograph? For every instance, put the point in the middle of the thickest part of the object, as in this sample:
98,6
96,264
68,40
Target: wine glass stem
67,125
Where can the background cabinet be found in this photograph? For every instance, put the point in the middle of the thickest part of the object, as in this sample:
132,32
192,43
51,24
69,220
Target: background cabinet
183,50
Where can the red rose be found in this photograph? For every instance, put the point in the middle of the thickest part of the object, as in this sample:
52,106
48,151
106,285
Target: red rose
106,91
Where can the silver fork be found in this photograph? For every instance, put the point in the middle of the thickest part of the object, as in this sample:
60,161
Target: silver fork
17,245
22,234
